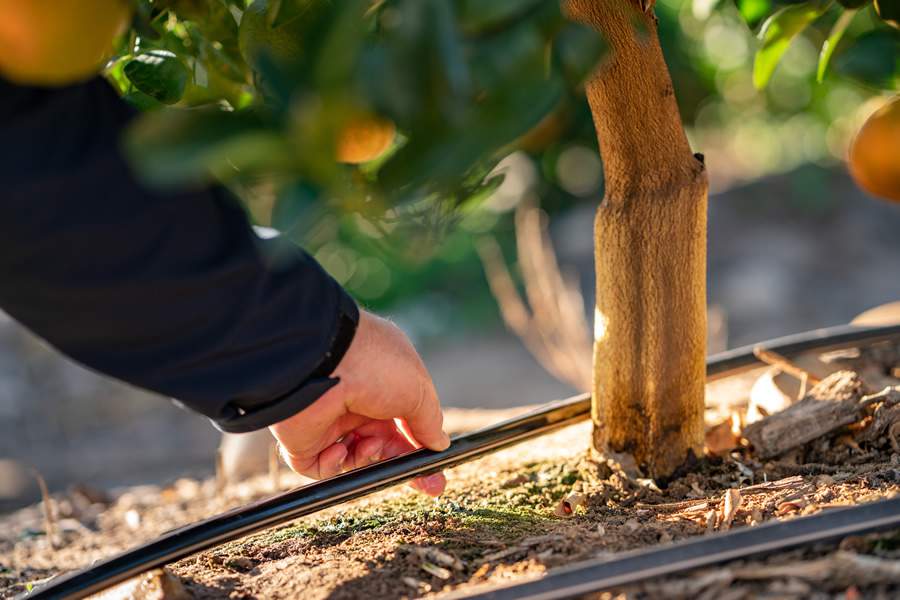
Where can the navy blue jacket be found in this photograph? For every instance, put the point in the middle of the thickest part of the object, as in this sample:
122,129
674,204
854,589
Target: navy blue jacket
169,291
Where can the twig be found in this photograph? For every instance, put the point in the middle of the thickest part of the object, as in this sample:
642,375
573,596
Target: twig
552,325
49,513
786,365
804,383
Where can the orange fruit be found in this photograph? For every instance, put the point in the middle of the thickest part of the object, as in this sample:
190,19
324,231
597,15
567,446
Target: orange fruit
58,42
364,138
875,153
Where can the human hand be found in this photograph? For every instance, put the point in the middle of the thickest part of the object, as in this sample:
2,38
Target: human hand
385,405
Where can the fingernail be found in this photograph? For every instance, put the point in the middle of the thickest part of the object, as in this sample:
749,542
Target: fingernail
376,454
433,484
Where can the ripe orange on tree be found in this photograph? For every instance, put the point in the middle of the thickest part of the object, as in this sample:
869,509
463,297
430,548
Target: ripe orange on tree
875,153
364,138
58,42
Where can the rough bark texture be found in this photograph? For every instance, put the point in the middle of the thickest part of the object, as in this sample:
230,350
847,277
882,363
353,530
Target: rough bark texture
650,236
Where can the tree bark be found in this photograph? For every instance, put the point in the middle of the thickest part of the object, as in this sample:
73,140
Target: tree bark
650,249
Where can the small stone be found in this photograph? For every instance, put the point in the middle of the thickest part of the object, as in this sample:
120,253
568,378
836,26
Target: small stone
240,563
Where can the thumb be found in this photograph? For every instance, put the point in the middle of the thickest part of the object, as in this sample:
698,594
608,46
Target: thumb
425,420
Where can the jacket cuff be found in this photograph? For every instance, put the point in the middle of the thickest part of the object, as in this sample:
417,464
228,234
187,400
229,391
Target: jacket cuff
237,419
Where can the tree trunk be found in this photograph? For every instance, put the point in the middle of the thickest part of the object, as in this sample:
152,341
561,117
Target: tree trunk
650,250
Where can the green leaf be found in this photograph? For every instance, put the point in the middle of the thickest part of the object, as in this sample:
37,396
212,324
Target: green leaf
777,33
578,49
177,146
159,74
873,60
438,163
480,17
837,32
754,11
281,12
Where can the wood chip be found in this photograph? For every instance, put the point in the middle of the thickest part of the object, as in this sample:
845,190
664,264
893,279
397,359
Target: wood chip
710,521
785,365
847,568
419,586
502,554
568,505
435,555
732,503
830,405
433,569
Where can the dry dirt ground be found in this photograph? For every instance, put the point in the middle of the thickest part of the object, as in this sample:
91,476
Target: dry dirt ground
533,507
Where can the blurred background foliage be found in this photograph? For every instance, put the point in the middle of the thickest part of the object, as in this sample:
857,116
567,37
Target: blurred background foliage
487,102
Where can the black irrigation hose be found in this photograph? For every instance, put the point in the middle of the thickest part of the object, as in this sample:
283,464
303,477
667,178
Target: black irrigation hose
631,567
288,506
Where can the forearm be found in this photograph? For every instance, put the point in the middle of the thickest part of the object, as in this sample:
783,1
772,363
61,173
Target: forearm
171,292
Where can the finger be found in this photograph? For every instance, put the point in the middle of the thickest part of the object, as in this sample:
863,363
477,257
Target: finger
433,484
331,461
366,451
425,420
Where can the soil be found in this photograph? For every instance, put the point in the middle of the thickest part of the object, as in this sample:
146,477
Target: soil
536,506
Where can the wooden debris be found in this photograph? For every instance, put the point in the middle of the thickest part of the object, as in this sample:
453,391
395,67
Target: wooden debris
49,510
487,558
893,434
435,555
158,584
433,569
731,503
689,587
785,365
623,462
886,414
845,568
724,437
786,483
830,405
419,586
523,546
568,505
685,505
711,518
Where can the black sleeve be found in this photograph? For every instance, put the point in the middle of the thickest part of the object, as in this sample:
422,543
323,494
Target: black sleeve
172,292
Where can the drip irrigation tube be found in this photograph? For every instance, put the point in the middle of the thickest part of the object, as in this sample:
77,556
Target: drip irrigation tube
288,506
631,567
